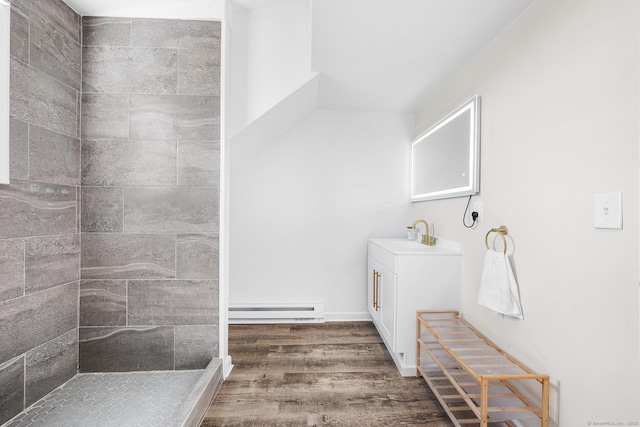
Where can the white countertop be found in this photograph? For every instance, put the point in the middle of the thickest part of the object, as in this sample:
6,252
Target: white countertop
401,246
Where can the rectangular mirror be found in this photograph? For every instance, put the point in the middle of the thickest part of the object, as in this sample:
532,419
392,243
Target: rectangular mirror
5,19
445,158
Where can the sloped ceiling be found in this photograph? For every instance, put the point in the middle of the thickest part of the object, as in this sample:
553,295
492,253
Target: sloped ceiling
392,55
374,55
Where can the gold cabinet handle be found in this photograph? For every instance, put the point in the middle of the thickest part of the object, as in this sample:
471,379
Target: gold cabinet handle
374,277
376,289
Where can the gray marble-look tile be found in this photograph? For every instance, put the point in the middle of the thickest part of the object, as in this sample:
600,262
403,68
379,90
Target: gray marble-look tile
36,209
55,53
53,157
172,302
101,210
170,210
11,389
97,31
51,261
197,256
40,99
199,163
29,321
105,69
22,7
153,71
58,13
175,33
175,117
127,256
78,206
19,37
105,116
128,162
11,269
126,349
79,115
196,345
19,149
103,303
127,70
199,72
50,365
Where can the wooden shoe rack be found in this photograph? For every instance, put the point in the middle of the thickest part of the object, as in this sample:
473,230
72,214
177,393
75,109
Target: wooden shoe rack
476,382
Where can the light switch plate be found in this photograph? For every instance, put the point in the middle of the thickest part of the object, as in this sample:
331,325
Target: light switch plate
608,210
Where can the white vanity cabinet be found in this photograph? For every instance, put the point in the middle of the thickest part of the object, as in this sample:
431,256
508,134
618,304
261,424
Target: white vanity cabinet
404,277
382,300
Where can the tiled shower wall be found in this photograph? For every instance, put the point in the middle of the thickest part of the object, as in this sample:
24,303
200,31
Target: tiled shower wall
39,241
149,202
146,168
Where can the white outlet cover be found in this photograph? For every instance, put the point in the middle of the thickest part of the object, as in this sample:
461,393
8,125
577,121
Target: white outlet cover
607,212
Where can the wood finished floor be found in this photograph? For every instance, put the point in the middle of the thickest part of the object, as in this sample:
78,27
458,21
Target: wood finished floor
330,374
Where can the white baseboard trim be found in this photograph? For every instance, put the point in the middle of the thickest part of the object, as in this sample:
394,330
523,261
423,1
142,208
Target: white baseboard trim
227,367
348,316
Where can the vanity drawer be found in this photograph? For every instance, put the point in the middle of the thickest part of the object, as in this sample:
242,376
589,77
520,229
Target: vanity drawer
383,256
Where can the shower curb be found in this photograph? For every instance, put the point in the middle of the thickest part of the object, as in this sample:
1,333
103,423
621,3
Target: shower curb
194,408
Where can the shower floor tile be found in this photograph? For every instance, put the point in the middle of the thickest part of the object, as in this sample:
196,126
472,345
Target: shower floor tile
128,399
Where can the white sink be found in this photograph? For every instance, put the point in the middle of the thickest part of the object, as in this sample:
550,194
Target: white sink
404,246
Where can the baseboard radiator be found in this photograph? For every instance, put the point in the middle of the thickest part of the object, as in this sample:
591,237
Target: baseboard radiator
276,313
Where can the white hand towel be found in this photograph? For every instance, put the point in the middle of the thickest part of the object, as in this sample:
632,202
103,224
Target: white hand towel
498,287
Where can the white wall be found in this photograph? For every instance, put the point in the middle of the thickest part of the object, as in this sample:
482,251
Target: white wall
183,9
301,211
237,66
270,56
560,117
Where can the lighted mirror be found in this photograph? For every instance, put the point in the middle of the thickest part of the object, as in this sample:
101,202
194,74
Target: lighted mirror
445,158
5,20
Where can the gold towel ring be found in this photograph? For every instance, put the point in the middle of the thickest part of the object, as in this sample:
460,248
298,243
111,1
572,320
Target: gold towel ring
502,230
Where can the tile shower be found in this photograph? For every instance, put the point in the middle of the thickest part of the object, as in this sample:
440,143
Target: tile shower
109,228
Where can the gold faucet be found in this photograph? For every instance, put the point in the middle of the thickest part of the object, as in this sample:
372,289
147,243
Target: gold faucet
426,238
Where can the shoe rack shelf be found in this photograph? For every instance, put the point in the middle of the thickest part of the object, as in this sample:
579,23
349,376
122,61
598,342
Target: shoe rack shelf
475,381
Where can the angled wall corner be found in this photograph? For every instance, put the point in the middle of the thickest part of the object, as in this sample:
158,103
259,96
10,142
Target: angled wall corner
256,137
270,55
